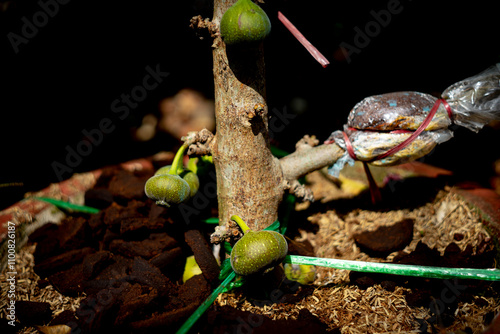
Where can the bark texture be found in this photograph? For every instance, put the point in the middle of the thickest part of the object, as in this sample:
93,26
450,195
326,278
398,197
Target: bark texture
308,159
249,177
250,180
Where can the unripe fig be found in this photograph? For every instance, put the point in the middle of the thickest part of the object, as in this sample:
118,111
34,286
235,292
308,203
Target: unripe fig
166,170
190,177
167,189
304,274
244,22
257,251
192,180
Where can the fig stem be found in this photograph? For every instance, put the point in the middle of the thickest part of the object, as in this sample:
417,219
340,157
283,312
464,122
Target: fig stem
240,223
177,160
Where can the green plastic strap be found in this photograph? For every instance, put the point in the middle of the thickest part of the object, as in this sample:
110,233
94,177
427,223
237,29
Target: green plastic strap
398,269
211,220
205,305
273,227
225,269
67,205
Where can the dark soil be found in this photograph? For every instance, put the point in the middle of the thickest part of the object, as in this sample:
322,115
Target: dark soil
129,260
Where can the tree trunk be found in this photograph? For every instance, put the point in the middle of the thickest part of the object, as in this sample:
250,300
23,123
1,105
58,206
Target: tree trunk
249,177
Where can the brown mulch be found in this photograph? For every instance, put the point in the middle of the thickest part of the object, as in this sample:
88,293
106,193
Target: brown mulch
133,253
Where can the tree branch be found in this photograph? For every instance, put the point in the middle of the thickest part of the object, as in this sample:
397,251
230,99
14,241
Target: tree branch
309,159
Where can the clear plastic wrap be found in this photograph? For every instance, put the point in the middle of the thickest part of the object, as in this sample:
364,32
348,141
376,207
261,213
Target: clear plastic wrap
380,123
475,101
368,145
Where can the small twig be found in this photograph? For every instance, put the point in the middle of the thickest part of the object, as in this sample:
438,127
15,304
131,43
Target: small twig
302,162
11,184
199,24
300,191
306,159
199,143
306,142
226,233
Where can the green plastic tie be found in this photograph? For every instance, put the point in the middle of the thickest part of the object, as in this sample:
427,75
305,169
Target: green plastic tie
225,269
67,205
205,305
211,220
398,269
274,227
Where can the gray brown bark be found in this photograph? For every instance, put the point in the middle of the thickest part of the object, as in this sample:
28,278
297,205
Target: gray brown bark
249,178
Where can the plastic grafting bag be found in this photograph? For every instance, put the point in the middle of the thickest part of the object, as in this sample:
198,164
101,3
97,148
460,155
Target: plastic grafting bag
475,101
394,128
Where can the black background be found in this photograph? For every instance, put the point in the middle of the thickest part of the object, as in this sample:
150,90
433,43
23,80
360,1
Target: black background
64,79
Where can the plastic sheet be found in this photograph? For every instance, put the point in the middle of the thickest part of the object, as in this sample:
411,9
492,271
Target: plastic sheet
368,145
475,101
379,123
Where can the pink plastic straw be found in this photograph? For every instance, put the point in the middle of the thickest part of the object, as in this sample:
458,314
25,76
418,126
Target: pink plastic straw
295,32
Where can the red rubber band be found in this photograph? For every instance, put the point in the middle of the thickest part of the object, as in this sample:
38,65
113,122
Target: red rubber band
417,132
447,107
348,146
374,191
408,140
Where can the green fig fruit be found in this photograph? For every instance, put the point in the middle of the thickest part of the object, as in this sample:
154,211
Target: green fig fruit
244,22
190,269
192,180
167,189
190,177
304,274
257,251
166,170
